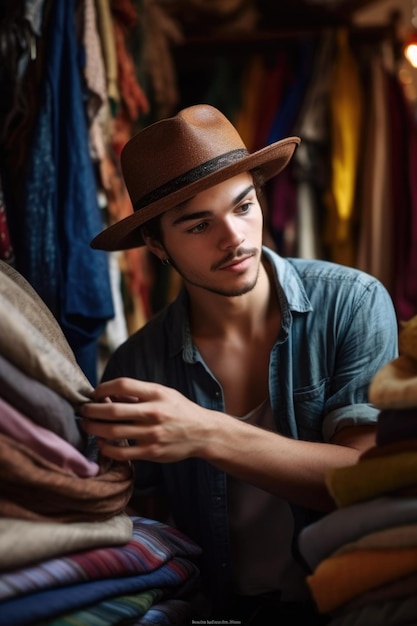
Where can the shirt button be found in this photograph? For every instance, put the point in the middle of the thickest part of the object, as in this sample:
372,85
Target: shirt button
217,394
224,564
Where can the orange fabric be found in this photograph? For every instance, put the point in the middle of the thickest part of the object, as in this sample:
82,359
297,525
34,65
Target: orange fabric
339,579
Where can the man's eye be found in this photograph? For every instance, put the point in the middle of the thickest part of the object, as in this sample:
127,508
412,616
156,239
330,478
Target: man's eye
245,208
199,228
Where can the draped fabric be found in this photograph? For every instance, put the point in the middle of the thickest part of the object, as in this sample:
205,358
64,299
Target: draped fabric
61,211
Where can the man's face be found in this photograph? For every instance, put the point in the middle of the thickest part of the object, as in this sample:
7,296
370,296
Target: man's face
214,240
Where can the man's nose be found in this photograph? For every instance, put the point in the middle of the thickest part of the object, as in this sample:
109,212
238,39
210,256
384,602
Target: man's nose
231,235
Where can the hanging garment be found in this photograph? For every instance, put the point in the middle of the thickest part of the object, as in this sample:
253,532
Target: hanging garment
374,201
61,213
311,164
403,142
346,110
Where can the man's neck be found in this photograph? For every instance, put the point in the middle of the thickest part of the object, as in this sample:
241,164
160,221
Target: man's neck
214,315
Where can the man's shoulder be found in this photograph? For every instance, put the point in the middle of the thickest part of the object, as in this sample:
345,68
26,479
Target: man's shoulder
317,268
324,268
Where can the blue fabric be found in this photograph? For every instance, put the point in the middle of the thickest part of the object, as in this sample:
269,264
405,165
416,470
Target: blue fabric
47,604
61,213
286,115
338,328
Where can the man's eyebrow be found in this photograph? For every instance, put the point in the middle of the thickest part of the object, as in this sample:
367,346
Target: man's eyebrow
188,217
197,215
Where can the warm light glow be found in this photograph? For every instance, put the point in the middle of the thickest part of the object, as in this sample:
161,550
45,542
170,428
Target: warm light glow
410,44
410,52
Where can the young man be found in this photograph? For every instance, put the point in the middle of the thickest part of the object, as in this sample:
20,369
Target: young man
239,396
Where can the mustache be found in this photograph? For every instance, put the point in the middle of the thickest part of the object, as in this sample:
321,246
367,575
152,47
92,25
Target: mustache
233,256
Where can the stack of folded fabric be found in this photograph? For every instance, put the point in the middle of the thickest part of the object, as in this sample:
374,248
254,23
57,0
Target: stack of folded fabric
363,556
69,553
148,578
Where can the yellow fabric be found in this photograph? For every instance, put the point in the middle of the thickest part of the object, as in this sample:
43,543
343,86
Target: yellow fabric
338,579
346,113
372,477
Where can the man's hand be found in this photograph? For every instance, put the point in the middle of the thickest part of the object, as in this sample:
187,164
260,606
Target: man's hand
159,422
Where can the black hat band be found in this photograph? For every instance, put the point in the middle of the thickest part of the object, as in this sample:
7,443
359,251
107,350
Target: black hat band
205,169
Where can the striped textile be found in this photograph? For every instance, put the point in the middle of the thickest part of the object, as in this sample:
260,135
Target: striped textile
109,612
174,576
153,544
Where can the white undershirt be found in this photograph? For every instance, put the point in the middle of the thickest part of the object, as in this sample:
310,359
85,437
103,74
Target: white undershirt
261,529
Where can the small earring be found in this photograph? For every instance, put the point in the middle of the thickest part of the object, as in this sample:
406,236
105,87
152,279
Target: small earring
165,261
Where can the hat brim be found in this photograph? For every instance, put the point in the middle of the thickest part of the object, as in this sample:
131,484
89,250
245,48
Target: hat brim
395,385
269,161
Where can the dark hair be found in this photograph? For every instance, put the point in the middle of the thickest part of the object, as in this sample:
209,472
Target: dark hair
152,229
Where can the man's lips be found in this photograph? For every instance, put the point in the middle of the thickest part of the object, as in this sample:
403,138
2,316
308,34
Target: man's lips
234,260
235,263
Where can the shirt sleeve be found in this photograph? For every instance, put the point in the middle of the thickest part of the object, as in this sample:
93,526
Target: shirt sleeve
369,341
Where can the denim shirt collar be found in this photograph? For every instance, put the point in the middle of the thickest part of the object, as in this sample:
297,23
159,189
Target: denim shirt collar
291,293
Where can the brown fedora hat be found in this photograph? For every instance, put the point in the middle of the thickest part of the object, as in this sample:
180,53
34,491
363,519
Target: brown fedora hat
172,160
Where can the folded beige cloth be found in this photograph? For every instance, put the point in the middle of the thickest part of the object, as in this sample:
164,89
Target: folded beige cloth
31,339
23,542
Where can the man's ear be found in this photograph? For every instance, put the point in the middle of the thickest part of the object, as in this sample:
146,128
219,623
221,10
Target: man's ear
153,245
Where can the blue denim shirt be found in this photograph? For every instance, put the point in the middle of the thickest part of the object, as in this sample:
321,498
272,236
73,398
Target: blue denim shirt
338,328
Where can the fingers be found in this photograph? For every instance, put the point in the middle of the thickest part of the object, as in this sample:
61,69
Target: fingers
112,430
131,452
113,412
153,418
126,390
143,439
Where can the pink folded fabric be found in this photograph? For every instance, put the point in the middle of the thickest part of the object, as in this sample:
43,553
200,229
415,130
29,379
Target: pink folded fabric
44,442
